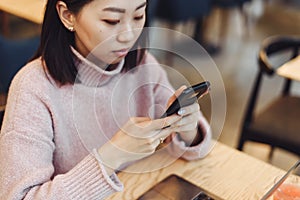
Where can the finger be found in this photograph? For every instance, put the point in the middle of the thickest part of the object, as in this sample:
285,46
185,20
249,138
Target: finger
163,134
187,110
184,128
179,90
139,119
176,94
134,123
189,119
164,122
150,125
154,145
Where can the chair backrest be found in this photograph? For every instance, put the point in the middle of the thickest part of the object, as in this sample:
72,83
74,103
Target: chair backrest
228,3
181,10
14,54
270,46
277,44
276,124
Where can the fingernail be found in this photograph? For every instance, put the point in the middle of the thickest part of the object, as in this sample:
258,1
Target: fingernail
181,112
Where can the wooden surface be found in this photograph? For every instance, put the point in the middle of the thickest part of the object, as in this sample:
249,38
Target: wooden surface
225,172
32,10
290,69
2,101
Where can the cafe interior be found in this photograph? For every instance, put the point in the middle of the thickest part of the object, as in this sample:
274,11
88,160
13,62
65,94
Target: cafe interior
253,107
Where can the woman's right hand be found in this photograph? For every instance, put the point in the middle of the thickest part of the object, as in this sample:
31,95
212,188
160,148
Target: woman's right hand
137,139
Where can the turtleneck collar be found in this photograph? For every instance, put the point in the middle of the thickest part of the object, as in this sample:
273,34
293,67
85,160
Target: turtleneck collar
92,75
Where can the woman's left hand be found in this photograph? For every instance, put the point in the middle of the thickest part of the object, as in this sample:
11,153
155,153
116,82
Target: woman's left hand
189,122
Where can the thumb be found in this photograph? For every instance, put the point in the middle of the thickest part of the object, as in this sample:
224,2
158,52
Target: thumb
179,90
134,120
176,94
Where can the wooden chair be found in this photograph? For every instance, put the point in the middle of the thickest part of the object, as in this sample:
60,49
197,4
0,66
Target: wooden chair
278,123
2,107
14,54
4,22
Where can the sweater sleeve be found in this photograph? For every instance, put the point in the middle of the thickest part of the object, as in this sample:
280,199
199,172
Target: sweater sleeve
26,154
163,91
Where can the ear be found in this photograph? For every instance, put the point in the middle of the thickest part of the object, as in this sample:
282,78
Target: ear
66,16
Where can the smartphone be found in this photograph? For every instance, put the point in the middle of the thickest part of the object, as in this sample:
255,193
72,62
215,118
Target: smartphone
188,96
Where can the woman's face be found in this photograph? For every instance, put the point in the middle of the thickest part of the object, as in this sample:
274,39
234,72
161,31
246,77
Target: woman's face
113,26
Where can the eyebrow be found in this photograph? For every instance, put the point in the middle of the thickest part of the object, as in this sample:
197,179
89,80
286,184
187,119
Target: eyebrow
121,10
141,6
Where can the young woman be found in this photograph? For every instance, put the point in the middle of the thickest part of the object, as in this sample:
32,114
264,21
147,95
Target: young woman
75,115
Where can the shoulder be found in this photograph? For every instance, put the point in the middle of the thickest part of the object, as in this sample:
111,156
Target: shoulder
32,78
31,71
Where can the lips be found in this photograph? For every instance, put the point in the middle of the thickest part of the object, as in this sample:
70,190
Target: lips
121,52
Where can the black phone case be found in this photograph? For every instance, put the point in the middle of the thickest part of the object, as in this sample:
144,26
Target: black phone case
187,97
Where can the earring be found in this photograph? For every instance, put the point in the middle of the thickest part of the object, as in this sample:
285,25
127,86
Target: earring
71,28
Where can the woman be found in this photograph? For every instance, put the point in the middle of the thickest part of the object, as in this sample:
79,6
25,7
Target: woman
75,115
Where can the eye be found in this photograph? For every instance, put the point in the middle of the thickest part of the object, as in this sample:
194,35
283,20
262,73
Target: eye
111,22
139,17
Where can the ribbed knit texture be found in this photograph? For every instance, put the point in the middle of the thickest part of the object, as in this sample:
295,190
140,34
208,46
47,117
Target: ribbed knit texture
49,132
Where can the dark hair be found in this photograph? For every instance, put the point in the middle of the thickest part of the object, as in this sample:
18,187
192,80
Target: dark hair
56,40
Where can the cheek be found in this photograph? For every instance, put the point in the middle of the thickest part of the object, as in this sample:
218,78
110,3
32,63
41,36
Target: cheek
137,33
99,40
85,34
141,26
103,37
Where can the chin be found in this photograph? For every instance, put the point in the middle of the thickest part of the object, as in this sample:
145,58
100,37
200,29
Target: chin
116,60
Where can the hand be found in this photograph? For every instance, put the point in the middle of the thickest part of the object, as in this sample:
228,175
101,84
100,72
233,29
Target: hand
137,139
190,116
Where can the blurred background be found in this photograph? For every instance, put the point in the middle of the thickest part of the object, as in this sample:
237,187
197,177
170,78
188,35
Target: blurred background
232,35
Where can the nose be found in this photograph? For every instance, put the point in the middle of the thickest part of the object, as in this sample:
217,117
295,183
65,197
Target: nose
127,34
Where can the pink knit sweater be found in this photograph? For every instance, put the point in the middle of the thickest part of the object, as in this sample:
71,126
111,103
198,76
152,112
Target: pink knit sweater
49,132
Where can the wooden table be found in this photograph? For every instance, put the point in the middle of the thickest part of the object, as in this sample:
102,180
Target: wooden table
225,172
32,10
290,69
